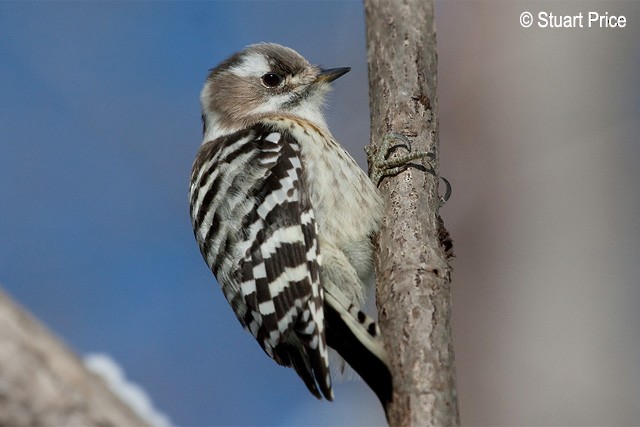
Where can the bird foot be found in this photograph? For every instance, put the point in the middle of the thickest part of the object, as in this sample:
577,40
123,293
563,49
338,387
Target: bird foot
380,166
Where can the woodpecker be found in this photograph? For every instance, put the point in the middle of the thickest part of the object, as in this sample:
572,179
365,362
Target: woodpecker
284,216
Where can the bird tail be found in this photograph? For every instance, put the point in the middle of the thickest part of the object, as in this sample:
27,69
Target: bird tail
356,337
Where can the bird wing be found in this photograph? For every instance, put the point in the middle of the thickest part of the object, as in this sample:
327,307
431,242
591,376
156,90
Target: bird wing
279,276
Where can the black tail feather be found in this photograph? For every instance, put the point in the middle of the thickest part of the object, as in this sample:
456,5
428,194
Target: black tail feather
373,371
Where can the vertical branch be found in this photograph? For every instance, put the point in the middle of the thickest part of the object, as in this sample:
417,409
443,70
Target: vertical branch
412,248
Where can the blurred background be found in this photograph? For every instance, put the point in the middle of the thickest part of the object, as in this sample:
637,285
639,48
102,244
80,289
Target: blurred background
539,136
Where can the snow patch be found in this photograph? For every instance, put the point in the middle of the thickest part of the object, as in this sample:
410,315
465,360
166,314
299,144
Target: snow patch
132,394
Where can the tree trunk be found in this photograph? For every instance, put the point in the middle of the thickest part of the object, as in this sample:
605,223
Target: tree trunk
412,249
42,383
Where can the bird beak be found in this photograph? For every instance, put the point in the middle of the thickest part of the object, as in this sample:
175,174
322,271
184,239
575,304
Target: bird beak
327,76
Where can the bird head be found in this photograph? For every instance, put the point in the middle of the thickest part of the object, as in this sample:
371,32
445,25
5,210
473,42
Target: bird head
260,81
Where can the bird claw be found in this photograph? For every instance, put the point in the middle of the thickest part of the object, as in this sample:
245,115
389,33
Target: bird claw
381,166
447,192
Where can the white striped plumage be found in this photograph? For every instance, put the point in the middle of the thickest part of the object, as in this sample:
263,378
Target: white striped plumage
284,216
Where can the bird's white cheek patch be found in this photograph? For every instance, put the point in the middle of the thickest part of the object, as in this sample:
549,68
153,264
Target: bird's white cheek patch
272,104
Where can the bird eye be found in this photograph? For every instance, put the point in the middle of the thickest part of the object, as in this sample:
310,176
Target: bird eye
271,80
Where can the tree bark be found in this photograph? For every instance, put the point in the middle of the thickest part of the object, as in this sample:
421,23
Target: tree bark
413,274
42,383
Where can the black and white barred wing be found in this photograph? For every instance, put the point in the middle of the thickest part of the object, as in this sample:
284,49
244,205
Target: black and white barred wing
261,243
